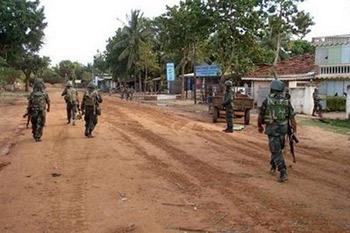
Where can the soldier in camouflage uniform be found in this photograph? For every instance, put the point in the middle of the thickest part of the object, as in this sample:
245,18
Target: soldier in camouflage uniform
276,111
90,107
38,104
228,105
71,97
317,104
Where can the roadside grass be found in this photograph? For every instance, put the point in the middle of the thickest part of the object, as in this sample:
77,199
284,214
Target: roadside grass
337,126
10,98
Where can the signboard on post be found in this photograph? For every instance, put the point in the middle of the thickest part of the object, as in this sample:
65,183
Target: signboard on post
207,71
170,71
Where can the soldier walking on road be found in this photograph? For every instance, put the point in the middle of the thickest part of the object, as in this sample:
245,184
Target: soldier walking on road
71,97
38,104
276,111
131,92
90,107
228,105
317,104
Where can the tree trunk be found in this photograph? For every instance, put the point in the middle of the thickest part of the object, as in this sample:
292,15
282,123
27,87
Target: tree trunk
183,80
277,54
194,74
27,78
145,81
140,81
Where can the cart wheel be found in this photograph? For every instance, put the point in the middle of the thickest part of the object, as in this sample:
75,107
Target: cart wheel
247,117
216,113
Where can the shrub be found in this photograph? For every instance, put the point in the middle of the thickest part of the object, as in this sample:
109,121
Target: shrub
336,103
51,77
9,75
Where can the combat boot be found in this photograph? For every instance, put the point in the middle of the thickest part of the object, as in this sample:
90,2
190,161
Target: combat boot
283,176
228,130
273,170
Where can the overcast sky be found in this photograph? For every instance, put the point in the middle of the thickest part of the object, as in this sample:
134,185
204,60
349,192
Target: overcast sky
78,28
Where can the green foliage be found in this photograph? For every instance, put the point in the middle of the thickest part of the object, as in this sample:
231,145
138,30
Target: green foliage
30,64
51,76
336,103
21,29
235,26
282,19
300,47
66,69
100,64
9,75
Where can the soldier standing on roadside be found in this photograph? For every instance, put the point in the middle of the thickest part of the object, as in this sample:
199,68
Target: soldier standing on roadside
38,104
228,105
71,97
317,103
276,111
90,107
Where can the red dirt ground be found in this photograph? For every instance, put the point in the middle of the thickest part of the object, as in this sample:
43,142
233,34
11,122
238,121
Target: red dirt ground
154,170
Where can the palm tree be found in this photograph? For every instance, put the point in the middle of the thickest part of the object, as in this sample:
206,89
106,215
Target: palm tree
132,36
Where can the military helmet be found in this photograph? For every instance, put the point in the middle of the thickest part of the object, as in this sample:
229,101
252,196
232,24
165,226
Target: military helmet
38,84
91,86
228,83
69,84
277,85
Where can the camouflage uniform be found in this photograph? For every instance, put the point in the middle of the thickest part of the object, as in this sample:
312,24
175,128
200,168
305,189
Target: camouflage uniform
275,113
91,109
71,97
228,104
37,102
317,103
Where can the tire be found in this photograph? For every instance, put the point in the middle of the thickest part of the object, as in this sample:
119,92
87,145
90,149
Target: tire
216,114
247,117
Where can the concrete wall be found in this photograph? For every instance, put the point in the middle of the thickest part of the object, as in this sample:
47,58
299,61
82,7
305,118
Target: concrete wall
301,99
348,103
331,87
260,91
332,55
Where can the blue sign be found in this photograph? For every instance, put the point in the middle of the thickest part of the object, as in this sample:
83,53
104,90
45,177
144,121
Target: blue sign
170,71
207,71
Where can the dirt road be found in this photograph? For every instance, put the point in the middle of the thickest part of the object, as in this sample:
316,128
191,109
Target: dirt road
151,170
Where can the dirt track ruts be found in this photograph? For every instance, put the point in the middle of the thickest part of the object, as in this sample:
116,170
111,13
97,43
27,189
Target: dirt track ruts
145,157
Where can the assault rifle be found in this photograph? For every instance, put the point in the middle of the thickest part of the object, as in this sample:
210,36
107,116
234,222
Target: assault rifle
292,139
28,115
79,116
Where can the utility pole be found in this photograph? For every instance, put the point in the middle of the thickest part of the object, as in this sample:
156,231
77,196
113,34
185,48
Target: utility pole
194,74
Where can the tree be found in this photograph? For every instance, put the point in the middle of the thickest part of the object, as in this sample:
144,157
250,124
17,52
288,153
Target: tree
117,67
283,19
31,64
148,61
21,29
132,35
66,69
100,64
234,31
9,75
182,28
300,47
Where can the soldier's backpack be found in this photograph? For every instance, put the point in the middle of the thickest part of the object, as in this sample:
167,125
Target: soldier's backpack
71,95
277,110
38,100
90,99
